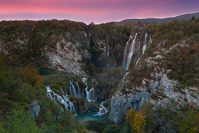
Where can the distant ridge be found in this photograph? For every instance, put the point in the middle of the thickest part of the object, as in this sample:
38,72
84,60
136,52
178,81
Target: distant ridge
160,20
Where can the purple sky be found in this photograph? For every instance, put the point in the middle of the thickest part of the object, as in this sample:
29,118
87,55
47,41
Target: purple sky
97,11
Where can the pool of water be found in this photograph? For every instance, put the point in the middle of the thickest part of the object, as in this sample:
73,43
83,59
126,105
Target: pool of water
89,116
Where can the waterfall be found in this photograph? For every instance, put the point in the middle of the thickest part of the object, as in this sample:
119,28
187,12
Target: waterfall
131,52
75,92
145,44
150,40
72,89
143,48
102,110
90,95
78,90
62,99
125,51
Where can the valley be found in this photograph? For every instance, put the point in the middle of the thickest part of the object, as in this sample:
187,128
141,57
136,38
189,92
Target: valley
67,76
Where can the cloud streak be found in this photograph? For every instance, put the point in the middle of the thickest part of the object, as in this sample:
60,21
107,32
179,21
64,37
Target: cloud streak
94,10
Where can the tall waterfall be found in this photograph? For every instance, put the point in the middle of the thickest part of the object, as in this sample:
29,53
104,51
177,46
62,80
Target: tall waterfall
145,44
131,52
143,48
62,99
125,51
90,94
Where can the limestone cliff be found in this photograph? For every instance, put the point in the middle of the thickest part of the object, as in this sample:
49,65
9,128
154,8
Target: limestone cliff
155,86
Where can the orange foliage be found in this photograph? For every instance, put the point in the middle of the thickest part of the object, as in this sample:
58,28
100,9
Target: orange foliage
31,75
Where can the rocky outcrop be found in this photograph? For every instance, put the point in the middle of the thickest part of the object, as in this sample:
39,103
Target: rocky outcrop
159,92
66,52
67,58
84,106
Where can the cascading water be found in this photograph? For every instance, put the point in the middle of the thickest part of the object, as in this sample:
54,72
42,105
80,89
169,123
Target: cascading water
145,44
72,89
102,110
131,52
150,40
125,51
75,91
143,49
62,99
90,95
78,90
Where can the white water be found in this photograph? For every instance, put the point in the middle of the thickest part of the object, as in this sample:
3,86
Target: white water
131,52
62,99
145,44
75,91
72,89
150,40
102,110
90,94
143,49
78,90
125,51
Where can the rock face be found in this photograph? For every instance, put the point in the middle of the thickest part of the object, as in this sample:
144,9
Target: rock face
34,109
62,53
158,89
67,58
159,92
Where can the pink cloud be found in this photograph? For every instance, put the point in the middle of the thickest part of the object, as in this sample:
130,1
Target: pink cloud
100,10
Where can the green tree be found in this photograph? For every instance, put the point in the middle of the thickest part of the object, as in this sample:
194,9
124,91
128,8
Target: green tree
21,122
190,124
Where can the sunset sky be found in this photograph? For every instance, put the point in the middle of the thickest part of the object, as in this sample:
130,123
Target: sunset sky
97,11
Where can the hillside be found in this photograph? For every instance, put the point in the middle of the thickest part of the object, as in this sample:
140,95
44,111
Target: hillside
183,17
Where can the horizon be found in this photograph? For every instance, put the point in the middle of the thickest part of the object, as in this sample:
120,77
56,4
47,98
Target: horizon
98,11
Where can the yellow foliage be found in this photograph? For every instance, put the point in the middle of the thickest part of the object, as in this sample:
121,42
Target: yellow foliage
136,120
31,75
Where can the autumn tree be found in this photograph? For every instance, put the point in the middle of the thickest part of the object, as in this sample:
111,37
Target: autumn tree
136,120
31,76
